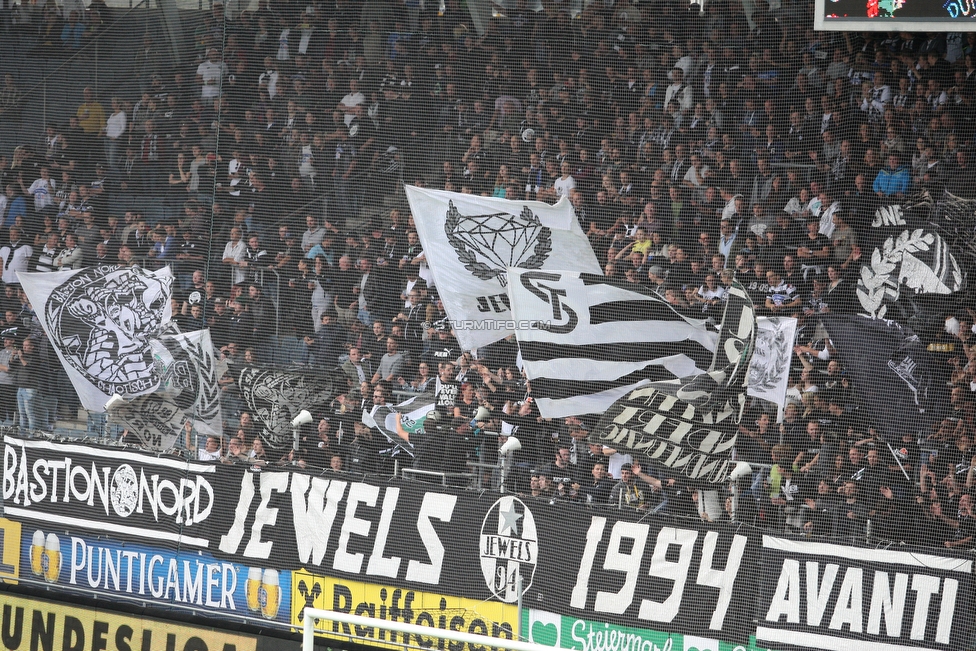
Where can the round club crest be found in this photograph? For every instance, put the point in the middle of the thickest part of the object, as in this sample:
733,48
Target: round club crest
124,490
102,318
509,548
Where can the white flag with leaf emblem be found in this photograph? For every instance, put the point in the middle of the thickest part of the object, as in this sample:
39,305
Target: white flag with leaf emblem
769,374
470,242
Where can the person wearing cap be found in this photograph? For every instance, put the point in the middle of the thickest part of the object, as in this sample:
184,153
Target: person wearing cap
656,277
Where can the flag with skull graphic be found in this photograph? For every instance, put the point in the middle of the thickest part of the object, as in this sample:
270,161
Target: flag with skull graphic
470,242
100,321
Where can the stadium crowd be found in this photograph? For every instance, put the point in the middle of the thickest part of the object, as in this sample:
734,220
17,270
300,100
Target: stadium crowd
695,148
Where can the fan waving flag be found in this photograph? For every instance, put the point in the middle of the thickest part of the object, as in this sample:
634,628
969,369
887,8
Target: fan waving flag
901,384
100,321
471,241
589,340
690,426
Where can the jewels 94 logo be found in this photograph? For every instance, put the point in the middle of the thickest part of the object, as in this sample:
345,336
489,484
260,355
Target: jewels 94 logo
509,548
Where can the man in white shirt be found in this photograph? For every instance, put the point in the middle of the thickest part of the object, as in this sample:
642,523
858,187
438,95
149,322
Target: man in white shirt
233,256
71,257
210,73
15,257
350,101
564,183
211,450
679,92
114,129
42,190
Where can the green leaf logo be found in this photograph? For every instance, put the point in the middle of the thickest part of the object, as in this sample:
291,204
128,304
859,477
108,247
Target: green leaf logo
545,634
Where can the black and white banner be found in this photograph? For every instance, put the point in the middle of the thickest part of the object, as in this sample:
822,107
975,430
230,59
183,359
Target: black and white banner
275,396
188,391
100,320
690,426
470,242
128,494
818,595
654,573
900,383
617,567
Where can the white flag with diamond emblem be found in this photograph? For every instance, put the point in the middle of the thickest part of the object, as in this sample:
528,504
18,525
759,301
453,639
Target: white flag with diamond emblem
470,242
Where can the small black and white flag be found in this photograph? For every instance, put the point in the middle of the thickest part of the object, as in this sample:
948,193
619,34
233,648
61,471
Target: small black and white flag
769,373
188,391
591,340
900,383
917,261
100,321
275,396
384,419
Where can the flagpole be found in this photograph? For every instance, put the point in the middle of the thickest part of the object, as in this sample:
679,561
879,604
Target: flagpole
898,461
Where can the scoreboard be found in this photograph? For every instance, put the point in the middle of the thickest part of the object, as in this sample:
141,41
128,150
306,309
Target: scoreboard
896,15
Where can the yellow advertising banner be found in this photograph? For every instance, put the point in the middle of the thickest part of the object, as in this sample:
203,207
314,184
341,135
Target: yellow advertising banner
9,550
31,624
398,605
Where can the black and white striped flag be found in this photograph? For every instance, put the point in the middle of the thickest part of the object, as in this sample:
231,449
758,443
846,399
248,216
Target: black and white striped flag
586,341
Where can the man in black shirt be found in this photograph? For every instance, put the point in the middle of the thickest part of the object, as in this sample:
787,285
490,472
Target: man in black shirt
443,349
220,324
437,446
597,490
345,279
448,390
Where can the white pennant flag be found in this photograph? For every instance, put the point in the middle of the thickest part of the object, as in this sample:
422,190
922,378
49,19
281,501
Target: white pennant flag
100,321
470,242
769,374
